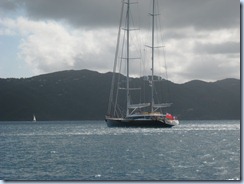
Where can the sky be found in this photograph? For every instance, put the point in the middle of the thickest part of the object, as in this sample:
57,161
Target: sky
201,37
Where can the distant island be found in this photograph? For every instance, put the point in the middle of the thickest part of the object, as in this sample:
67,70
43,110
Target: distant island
83,95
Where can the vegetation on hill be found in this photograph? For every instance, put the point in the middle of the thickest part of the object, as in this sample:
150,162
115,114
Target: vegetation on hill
83,95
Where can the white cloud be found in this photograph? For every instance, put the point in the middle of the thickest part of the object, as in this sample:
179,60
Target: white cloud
7,27
48,46
206,55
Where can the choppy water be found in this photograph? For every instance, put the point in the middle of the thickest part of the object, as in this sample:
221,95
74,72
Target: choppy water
194,150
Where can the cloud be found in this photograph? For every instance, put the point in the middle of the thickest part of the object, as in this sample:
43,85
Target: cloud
85,13
202,15
48,46
8,5
203,55
218,48
211,68
201,38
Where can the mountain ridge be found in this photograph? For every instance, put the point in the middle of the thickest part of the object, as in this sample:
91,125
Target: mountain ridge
83,95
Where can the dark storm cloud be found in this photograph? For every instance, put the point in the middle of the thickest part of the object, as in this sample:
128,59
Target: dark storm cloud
88,13
7,5
201,36
200,14
218,48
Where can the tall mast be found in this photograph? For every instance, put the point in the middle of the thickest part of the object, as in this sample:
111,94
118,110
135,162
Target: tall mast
115,64
128,56
152,80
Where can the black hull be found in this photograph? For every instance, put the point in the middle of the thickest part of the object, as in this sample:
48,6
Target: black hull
136,123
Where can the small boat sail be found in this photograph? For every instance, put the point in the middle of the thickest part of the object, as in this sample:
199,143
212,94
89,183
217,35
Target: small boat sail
34,118
148,114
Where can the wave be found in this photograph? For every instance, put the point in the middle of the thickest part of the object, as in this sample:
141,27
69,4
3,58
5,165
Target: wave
103,130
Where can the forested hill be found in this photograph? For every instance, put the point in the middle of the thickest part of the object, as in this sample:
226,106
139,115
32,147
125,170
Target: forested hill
83,95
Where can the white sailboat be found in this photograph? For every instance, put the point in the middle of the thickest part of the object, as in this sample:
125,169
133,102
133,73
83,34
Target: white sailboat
146,114
34,118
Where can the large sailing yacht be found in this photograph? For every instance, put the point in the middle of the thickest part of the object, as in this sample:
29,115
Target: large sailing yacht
142,114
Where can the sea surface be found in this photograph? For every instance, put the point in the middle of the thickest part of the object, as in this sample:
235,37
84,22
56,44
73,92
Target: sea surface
89,150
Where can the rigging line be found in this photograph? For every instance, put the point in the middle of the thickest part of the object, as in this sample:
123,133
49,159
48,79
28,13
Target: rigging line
165,65
164,51
118,79
135,38
141,49
161,29
160,24
122,65
122,50
166,72
119,76
115,60
159,37
143,92
164,58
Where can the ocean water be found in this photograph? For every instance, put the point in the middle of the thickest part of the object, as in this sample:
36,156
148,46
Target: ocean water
89,150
